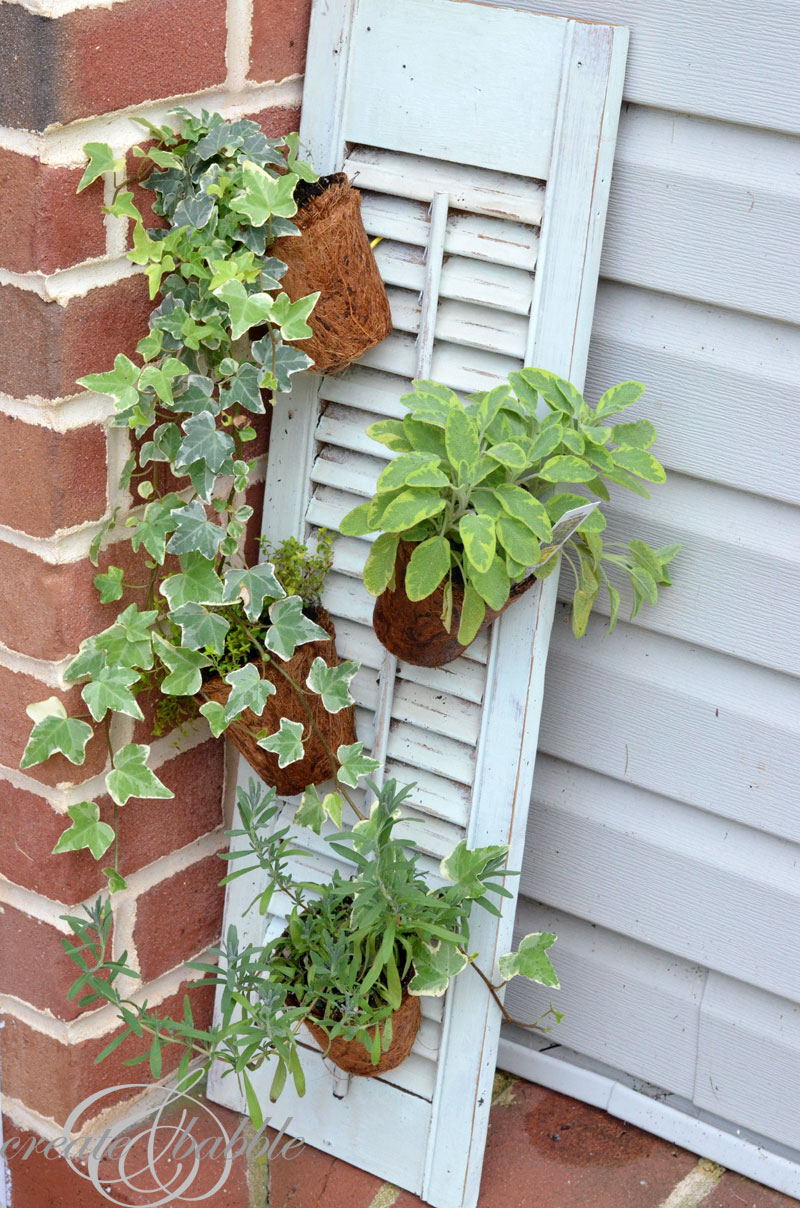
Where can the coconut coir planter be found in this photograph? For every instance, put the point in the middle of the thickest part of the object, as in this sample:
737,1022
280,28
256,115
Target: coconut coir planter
413,629
353,1057
338,728
333,255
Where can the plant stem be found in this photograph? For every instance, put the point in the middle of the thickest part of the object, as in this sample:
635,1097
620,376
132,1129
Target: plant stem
492,988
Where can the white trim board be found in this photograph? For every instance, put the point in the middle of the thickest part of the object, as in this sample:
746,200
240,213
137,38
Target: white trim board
454,178
665,1115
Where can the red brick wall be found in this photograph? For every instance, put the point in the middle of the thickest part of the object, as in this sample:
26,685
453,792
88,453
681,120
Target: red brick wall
70,302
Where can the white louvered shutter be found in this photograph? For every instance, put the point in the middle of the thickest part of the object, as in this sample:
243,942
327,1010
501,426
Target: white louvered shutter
481,139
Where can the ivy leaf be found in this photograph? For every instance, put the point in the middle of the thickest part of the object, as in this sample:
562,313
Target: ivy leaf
110,584
427,566
286,742
214,714
310,811
432,974
116,881
87,831
291,316
249,691
119,382
197,583
253,585
109,689
196,398
195,532
465,866
288,361
101,159
243,389
155,526
245,310
379,566
55,732
264,194
204,442
290,628
531,960
184,667
194,211
332,683
127,643
478,536
200,628
131,776
353,764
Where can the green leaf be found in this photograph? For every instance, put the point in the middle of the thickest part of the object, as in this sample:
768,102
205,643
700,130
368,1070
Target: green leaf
425,437
521,505
531,960
214,714
53,733
566,468
494,586
462,442
413,470
204,442
618,398
409,508
291,316
427,566
249,691
197,583
119,382
392,433
582,604
195,531
288,361
131,776
184,666
101,159
353,763
244,390
465,866
127,643
253,1105
518,540
154,527
613,597
548,439
646,557
116,882
245,310
509,454
110,584
641,463
332,683
286,742
645,582
200,628
193,211
640,435
87,831
264,195
253,586
310,811
290,628
473,614
478,536
356,523
110,689
379,566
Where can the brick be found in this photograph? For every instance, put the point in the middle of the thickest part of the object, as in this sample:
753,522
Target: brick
53,1078
47,346
17,691
47,610
44,225
280,39
734,1191
41,1183
95,60
148,829
179,917
277,121
33,964
51,480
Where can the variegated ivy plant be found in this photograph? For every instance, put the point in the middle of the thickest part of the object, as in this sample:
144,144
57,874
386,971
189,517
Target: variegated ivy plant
227,191
479,486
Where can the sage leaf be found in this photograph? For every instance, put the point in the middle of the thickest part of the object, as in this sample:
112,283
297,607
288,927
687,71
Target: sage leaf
427,566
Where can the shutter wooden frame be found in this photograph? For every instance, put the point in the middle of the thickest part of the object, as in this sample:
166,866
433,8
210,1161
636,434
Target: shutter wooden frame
434,1146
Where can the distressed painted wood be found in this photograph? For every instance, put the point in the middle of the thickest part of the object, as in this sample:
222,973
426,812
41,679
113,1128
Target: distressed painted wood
489,267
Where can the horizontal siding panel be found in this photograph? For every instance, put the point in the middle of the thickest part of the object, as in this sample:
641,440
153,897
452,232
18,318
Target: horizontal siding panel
748,1064
624,1003
722,387
736,582
679,721
734,63
705,889
705,211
